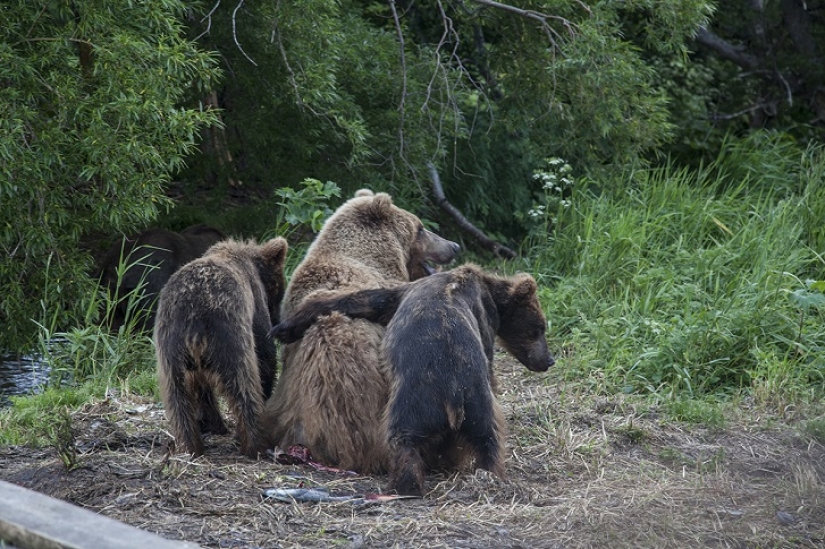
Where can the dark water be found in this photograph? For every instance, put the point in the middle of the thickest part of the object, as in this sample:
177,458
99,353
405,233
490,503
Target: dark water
21,376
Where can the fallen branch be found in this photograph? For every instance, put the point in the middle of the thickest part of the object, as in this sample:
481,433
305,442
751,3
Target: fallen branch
725,49
438,191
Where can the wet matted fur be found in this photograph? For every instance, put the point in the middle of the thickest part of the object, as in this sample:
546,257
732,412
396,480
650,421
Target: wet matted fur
211,334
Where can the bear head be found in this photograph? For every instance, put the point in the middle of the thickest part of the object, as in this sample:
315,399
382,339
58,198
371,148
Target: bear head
523,324
386,237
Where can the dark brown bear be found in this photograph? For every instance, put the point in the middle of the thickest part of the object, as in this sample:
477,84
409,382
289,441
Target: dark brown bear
150,258
439,344
211,333
334,387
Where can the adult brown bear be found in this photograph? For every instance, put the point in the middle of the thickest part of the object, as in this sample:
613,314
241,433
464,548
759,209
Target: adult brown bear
333,387
149,257
441,330
211,333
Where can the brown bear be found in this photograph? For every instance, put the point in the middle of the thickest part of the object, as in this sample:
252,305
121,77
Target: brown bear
333,387
148,259
439,343
211,333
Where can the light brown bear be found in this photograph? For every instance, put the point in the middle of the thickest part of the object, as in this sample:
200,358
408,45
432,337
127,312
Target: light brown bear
333,387
442,411
211,334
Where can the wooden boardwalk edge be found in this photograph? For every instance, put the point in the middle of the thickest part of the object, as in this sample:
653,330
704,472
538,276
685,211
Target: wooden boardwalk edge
29,520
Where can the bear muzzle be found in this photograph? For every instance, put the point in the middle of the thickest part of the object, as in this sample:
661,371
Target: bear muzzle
539,357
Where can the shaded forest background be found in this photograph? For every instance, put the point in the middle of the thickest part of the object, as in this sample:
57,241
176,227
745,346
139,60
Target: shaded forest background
118,117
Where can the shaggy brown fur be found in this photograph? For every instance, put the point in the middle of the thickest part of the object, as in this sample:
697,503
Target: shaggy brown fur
211,333
150,257
333,387
441,330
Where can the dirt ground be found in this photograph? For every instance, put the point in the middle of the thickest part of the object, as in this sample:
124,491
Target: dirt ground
581,472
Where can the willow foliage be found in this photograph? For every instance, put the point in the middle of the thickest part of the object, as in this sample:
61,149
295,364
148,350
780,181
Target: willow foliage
92,127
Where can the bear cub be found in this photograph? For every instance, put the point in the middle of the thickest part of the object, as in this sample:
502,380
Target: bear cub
211,334
439,343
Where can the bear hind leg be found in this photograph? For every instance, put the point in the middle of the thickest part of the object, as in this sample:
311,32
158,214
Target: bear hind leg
489,452
210,419
179,397
238,374
484,431
408,472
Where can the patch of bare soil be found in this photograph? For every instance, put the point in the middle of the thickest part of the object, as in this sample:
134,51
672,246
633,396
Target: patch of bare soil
582,472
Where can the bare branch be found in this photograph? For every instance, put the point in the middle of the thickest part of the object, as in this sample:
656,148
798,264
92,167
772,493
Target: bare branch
292,80
208,17
788,91
737,114
401,106
235,36
552,35
440,199
447,25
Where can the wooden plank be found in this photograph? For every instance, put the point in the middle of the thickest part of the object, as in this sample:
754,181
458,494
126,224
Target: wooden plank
29,520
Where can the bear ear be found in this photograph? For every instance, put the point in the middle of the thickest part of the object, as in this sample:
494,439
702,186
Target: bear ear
364,192
275,250
524,287
383,200
379,208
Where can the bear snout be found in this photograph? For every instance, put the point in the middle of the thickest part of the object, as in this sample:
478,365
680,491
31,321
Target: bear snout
541,359
441,250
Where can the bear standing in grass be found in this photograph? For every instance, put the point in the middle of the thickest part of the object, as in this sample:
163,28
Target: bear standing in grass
148,260
334,387
211,333
439,344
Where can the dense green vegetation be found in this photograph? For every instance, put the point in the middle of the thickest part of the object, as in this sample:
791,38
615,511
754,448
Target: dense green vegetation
694,282
94,122
656,164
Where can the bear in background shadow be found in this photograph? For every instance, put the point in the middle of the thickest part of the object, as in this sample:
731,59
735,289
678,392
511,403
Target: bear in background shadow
211,334
333,386
439,344
149,257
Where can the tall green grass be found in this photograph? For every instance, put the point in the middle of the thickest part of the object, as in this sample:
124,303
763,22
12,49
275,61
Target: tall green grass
694,282
95,352
84,363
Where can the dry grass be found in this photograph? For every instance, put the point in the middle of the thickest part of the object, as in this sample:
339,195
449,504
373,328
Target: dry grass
582,472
